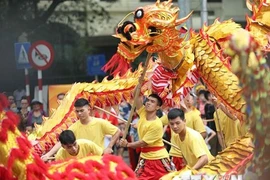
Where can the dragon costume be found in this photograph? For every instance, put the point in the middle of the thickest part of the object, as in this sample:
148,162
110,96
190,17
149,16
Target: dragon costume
184,57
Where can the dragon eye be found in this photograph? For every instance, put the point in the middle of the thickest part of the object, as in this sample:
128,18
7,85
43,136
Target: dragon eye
139,14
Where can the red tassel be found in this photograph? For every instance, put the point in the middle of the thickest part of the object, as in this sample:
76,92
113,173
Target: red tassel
3,102
117,64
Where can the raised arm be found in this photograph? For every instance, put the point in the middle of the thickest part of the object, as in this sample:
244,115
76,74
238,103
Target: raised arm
54,150
212,134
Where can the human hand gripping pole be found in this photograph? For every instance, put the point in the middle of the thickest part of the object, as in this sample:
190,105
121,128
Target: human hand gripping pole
123,142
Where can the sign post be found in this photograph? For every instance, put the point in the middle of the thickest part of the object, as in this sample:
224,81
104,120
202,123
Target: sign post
22,62
94,65
41,56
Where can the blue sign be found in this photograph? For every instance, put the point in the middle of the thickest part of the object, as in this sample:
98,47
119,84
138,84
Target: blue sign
95,63
21,55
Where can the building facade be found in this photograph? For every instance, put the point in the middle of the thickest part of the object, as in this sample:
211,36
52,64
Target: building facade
118,9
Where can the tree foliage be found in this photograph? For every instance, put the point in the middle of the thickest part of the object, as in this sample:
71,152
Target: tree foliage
64,23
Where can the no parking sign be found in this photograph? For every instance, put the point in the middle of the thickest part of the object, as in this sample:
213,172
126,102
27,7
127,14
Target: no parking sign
41,55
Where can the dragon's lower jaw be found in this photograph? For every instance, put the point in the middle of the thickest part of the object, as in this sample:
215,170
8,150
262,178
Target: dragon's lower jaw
119,63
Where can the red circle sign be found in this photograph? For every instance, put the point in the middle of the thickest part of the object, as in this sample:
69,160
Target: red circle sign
41,55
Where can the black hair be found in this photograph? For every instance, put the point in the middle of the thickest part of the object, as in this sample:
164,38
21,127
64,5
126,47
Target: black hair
176,112
206,95
67,137
81,102
159,113
24,97
159,100
201,92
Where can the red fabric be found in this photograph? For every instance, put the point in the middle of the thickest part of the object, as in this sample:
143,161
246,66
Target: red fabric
3,101
133,155
160,80
149,149
151,170
178,162
117,64
113,120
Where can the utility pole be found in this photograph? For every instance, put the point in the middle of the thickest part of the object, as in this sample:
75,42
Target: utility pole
184,6
204,13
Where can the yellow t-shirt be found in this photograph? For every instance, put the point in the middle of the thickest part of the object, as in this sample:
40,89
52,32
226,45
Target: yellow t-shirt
228,126
94,131
151,132
164,119
87,147
193,121
192,147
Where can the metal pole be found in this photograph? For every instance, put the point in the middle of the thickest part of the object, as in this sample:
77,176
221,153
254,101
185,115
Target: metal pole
189,21
204,13
27,85
184,6
40,98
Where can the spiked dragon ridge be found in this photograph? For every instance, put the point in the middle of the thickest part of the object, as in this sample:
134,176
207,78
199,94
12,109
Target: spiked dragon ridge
182,61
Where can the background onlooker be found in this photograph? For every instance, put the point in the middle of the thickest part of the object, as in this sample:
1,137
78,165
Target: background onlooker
18,94
12,105
23,114
35,115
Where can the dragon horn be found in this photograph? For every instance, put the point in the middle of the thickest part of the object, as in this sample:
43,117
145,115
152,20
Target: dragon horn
184,19
249,5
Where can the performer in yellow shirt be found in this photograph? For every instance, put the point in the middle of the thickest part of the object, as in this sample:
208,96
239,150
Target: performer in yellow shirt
90,128
193,116
154,158
76,148
191,143
193,121
227,126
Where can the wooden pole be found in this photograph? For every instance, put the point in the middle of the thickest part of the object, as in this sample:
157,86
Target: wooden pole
167,142
137,93
208,120
125,121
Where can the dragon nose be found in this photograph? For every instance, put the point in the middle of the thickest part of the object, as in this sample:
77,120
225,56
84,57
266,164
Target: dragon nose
127,28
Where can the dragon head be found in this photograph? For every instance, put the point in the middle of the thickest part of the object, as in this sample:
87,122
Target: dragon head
153,30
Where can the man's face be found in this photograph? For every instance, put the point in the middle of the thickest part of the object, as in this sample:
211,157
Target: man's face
11,99
24,103
72,149
82,112
177,125
151,104
189,102
202,98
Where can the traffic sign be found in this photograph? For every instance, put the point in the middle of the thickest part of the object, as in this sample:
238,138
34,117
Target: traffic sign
95,63
41,55
21,55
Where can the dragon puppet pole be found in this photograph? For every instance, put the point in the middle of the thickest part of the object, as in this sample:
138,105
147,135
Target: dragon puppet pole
121,119
137,93
125,121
